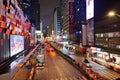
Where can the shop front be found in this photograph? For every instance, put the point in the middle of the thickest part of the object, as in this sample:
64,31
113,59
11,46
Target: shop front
110,60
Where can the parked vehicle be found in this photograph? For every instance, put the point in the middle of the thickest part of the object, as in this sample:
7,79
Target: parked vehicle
71,49
40,60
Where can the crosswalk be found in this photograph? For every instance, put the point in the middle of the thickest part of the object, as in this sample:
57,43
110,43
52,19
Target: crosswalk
70,78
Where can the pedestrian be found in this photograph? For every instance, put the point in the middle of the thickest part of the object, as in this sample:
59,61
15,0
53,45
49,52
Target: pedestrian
114,60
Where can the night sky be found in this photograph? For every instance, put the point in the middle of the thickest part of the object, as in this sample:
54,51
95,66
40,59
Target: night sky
46,10
102,7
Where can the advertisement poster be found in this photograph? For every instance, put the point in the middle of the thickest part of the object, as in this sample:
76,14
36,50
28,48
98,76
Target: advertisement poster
89,9
16,44
84,35
90,32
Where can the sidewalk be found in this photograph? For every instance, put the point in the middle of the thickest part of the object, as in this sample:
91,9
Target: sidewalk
24,72
18,69
102,70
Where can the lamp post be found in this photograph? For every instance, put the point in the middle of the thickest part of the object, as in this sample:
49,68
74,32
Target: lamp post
113,13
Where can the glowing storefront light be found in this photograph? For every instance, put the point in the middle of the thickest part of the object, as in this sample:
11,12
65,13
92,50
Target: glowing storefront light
58,37
64,37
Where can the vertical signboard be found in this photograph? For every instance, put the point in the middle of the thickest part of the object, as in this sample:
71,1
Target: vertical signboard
71,17
89,9
32,31
32,39
90,32
84,35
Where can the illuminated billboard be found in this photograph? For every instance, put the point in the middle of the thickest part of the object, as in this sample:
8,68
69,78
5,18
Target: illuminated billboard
84,35
16,44
89,9
90,32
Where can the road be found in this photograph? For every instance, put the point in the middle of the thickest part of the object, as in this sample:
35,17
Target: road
102,70
56,68
112,75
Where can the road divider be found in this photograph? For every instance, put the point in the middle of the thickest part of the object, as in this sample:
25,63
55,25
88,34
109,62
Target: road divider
31,74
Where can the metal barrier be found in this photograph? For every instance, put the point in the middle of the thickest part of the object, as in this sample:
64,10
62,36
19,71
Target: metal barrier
31,74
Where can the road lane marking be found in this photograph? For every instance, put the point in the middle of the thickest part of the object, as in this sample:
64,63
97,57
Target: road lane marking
65,78
61,78
74,78
106,74
70,78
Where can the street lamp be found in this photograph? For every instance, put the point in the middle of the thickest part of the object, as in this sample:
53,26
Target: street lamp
112,13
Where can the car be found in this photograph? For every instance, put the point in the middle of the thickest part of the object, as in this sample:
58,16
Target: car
52,52
87,63
40,60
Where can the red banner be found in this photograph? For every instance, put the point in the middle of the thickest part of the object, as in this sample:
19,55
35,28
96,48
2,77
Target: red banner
8,31
1,30
71,18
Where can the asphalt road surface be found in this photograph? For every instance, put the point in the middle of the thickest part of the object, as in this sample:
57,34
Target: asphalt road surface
57,68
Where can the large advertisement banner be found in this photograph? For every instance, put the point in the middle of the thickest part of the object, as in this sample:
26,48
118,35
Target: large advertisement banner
71,17
32,31
84,35
90,32
16,44
89,9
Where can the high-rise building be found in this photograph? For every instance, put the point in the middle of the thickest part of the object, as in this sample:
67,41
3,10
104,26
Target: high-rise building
14,29
33,12
80,18
107,29
56,21
67,20
107,33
